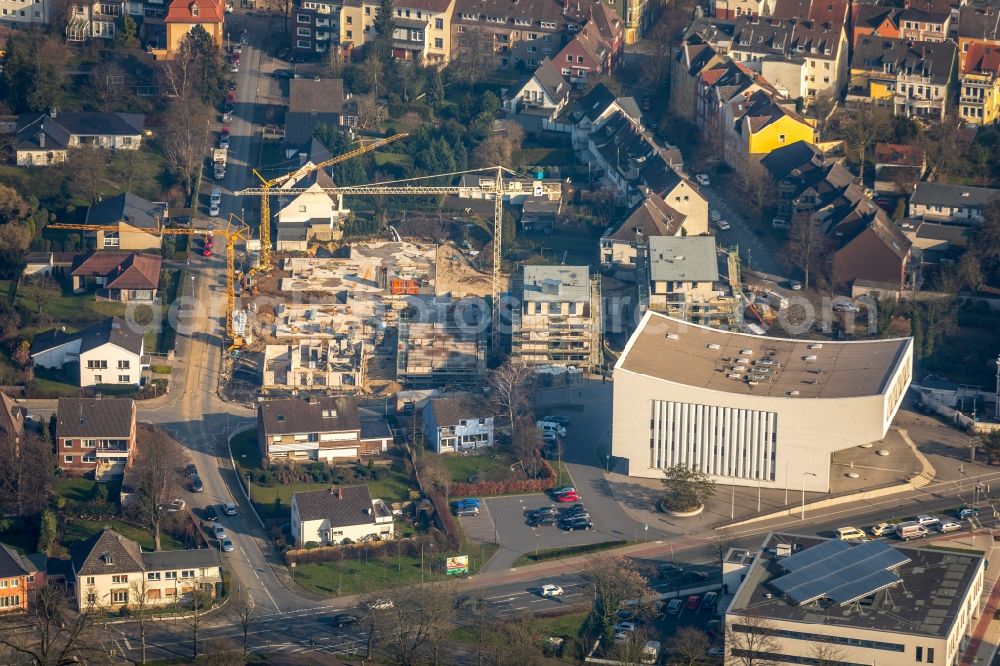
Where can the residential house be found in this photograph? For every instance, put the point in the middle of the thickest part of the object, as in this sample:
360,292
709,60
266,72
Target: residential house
111,569
558,319
137,219
923,24
126,277
109,352
97,19
979,98
810,186
951,204
95,435
11,420
342,514
874,20
43,139
758,125
315,102
540,98
730,10
593,109
314,429
335,363
312,215
183,15
898,167
683,272
501,33
610,29
539,215
820,38
19,14
18,577
870,248
638,16
689,60
933,243
977,23
458,423
422,28
621,242
587,55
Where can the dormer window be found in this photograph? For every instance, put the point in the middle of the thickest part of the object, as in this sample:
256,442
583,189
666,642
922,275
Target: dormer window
109,559
194,9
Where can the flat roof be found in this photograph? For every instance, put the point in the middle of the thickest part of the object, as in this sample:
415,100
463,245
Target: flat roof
934,584
687,258
557,284
684,353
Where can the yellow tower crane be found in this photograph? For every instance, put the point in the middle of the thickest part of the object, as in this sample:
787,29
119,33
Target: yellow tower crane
499,182
269,184
232,233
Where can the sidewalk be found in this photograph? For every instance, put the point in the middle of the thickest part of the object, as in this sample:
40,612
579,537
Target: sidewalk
985,636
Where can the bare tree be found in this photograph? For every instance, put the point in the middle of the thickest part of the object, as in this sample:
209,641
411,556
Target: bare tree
616,580
827,654
632,648
689,647
87,168
720,545
807,248
41,289
473,57
758,187
509,643
107,81
748,642
156,471
195,610
822,108
185,142
247,614
28,466
50,633
511,385
865,126
416,623
139,608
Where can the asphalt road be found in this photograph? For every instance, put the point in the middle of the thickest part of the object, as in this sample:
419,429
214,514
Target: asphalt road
754,249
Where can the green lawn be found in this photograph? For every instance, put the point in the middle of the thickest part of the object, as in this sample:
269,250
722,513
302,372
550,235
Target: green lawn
246,450
492,468
81,530
393,487
393,159
82,490
357,575
568,551
571,624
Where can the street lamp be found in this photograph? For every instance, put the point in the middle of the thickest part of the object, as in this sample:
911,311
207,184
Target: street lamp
804,475
607,463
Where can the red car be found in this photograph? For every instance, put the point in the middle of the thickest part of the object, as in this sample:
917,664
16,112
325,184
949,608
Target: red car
692,602
568,497
207,239
231,97
207,252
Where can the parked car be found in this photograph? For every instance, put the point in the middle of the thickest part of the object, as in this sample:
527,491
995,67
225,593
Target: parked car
191,470
702,179
625,626
550,590
562,490
710,600
561,420
927,519
224,139
229,509
967,512
226,545
723,225
850,534
669,569
238,48
232,88
692,602
883,529
575,525
846,307
213,211
577,509
542,520
343,620
675,606
218,531
541,511
948,526
283,74
568,497
196,485
181,220
467,511
175,505
211,513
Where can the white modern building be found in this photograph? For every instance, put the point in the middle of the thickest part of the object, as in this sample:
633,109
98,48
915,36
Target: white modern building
808,600
109,352
343,514
457,423
750,409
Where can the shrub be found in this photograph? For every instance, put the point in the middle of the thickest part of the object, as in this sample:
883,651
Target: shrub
486,488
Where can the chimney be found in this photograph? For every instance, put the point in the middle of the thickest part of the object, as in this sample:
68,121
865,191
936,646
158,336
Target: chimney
41,138
52,112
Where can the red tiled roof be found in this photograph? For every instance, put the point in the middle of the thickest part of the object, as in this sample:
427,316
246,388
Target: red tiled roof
125,270
900,154
982,59
208,11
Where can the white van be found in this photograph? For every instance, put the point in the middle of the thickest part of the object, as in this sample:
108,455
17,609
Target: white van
910,530
549,426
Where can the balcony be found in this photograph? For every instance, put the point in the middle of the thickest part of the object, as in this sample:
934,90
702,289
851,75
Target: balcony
322,23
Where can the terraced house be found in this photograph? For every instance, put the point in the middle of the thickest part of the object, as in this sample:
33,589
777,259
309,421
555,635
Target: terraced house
912,78
979,97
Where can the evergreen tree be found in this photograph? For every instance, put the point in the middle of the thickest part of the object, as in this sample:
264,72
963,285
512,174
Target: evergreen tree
435,89
384,27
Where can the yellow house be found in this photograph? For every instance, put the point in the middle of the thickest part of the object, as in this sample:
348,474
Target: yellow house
183,16
761,124
979,99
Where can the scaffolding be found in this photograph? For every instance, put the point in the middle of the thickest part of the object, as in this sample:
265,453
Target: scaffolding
449,347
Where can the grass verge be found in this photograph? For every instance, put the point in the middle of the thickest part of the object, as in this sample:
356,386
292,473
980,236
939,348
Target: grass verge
568,551
81,530
392,487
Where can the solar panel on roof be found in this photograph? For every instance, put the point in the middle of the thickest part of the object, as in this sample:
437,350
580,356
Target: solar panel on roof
813,554
842,573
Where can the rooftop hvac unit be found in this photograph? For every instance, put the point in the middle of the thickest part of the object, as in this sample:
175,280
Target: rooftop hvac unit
793,393
746,352
742,361
816,345
673,336
735,375
714,345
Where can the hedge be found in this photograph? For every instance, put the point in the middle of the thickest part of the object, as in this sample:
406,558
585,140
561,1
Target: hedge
487,488
408,547
446,521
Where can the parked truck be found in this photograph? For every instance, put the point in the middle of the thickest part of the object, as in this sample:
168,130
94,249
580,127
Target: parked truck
219,156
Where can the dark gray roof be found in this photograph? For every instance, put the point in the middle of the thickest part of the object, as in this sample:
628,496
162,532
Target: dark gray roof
449,410
126,207
198,558
943,194
107,553
94,417
943,232
313,414
780,162
311,103
551,80
114,331
978,20
935,584
594,103
10,563
651,217
375,428
58,129
341,505
892,56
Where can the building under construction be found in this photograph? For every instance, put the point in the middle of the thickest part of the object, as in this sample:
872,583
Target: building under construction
441,342
558,319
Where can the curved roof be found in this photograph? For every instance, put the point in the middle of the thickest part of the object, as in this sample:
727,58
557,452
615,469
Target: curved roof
698,356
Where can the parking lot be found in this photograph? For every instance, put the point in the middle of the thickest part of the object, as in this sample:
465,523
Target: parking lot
517,537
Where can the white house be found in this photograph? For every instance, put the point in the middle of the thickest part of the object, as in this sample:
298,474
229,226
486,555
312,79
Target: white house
111,569
540,97
343,514
109,352
312,214
43,139
951,204
650,218
458,423
594,108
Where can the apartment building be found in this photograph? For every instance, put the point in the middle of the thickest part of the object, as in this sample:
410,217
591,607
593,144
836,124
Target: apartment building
95,435
24,13
637,14
979,97
978,22
620,244
683,275
873,602
111,569
501,33
913,78
558,318
951,204
316,428
756,125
